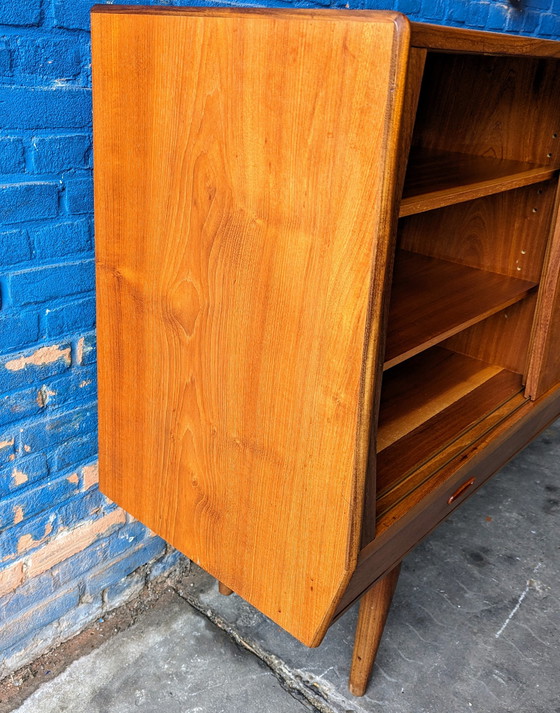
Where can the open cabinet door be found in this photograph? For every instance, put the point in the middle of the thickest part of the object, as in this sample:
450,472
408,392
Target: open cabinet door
244,166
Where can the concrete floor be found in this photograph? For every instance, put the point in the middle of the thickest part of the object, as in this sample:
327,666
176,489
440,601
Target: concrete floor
474,627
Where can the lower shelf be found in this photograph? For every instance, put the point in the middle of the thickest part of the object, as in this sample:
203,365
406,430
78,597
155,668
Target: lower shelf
432,407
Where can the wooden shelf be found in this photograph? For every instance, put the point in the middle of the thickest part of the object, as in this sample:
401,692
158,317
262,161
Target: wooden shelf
433,299
432,407
437,178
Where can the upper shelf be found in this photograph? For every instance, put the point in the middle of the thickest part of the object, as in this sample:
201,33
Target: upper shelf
436,178
433,299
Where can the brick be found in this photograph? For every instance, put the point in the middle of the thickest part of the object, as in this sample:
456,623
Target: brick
52,432
24,505
14,247
515,20
70,542
477,15
52,154
79,195
121,592
22,12
72,15
23,473
71,318
5,60
12,158
550,25
86,350
7,448
88,506
28,201
42,284
116,571
538,4
531,21
34,619
166,563
58,239
90,476
60,107
18,330
75,451
458,11
410,7
48,57
27,536
496,18
32,366
75,386
10,578
38,642
20,404
28,595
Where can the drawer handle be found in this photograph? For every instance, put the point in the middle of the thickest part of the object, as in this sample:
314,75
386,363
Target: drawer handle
460,491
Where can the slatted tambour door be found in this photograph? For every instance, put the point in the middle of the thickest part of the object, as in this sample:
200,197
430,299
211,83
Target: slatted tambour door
243,178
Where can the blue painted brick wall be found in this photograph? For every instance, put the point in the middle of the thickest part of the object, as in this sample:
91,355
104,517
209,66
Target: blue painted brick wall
66,552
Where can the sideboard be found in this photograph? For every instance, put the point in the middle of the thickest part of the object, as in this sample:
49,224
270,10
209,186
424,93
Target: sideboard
328,261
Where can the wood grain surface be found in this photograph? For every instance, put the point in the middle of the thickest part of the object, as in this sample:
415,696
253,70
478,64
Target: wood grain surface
458,39
504,108
244,181
402,528
433,299
438,178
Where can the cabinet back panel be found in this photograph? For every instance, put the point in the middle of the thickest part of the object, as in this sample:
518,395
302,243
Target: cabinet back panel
505,233
502,107
502,339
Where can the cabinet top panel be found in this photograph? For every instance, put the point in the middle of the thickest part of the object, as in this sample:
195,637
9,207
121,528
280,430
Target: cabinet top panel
432,37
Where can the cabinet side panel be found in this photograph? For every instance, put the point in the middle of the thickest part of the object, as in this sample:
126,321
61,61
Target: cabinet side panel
240,190
544,349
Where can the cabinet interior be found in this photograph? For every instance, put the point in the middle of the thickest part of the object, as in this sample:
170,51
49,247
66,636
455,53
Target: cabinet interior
475,215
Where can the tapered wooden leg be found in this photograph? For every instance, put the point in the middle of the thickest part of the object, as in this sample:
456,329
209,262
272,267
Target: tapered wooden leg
374,607
226,591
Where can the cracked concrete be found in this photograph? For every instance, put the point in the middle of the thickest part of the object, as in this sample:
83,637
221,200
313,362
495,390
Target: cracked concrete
474,627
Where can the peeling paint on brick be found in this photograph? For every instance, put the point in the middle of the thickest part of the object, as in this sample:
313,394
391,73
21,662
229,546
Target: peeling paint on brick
70,542
73,478
90,475
80,350
7,443
27,541
43,396
18,514
19,477
44,355
10,578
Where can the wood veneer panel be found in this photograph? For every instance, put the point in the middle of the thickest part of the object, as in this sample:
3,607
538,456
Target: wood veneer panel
496,107
437,178
544,355
505,233
428,402
430,507
433,299
501,339
455,39
412,86
421,387
238,314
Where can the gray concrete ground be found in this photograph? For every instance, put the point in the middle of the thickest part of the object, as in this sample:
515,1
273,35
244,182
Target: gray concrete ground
474,627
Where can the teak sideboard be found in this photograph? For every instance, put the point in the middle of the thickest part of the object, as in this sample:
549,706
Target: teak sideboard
328,257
